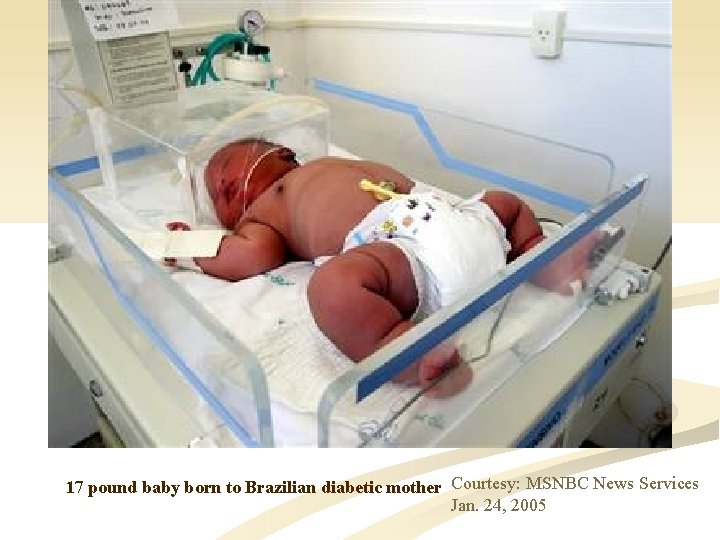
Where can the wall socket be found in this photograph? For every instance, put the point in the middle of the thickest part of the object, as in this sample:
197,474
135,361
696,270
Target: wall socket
546,36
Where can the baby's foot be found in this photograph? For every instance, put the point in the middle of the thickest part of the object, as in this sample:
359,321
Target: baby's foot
444,361
570,267
441,360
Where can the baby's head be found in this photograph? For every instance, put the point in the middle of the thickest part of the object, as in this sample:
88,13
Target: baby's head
240,171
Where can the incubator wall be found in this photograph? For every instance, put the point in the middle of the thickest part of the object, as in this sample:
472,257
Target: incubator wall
502,324
242,373
169,143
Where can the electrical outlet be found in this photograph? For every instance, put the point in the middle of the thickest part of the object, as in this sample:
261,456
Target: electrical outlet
546,37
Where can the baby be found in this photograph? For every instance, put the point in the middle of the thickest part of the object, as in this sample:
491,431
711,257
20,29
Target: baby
390,262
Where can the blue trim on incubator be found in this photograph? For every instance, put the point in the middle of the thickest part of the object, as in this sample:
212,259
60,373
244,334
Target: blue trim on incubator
597,370
384,373
524,187
152,333
91,163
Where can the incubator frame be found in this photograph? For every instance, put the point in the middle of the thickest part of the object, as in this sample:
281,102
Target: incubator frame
363,378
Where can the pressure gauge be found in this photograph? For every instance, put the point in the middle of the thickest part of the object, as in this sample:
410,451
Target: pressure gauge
251,22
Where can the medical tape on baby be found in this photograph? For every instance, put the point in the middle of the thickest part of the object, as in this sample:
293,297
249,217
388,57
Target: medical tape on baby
178,244
185,263
248,176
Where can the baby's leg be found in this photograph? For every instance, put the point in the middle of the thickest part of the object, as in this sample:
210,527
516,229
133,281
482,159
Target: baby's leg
362,299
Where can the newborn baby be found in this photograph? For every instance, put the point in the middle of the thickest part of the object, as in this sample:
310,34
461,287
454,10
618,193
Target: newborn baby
388,263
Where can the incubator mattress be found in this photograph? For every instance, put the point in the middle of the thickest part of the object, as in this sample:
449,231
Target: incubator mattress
269,313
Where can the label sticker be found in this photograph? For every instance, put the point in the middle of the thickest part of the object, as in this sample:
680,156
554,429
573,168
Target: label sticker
125,18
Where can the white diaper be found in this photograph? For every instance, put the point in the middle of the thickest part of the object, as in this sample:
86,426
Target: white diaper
451,245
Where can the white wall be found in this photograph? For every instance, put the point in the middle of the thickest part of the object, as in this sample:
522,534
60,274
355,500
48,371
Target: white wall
609,15
608,92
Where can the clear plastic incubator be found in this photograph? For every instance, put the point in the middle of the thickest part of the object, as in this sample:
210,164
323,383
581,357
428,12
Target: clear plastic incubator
240,364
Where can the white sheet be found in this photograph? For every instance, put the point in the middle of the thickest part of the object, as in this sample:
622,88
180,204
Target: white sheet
269,313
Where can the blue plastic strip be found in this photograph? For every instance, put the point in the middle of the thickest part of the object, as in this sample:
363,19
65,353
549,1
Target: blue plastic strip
597,370
153,334
373,380
91,163
524,187
78,167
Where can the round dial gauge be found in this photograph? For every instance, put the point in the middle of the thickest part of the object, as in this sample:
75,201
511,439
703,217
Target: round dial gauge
251,22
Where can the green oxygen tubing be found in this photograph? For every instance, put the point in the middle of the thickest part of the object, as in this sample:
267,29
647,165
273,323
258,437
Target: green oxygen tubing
221,42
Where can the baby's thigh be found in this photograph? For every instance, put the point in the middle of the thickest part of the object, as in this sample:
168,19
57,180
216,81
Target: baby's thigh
380,268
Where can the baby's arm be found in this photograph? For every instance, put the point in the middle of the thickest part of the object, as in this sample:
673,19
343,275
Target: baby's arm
254,248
